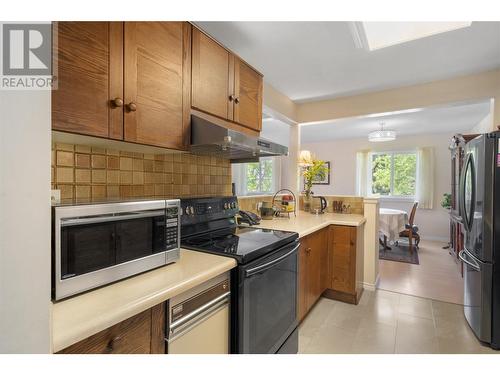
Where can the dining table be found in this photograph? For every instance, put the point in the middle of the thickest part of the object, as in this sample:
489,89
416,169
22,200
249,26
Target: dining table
391,223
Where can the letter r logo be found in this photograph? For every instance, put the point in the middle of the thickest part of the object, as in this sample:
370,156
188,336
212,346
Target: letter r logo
27,49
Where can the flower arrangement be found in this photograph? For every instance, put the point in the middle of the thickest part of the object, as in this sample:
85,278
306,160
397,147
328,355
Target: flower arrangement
312,169
317,169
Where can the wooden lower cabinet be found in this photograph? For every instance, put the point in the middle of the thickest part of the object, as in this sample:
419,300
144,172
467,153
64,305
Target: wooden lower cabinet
330,264
346,257
313,270
140,334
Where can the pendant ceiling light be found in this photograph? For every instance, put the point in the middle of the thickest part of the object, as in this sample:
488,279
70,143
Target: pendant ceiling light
382,135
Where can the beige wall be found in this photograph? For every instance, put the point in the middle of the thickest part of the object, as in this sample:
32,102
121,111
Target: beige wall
25,221
371,262
279,102
284,109
471,87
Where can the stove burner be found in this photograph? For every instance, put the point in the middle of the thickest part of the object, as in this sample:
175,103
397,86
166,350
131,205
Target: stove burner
242,243
225,242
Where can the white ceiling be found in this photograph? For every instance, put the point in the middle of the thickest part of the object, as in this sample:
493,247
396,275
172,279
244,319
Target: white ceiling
449,119
317,60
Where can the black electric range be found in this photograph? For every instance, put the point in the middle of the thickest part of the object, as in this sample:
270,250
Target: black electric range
265,282
245,244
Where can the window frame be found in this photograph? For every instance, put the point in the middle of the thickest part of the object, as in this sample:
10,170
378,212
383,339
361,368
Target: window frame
391,196
240,177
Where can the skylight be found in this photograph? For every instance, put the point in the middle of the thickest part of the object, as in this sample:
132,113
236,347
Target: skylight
376,35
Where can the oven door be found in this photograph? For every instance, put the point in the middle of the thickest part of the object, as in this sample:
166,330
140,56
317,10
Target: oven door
267,301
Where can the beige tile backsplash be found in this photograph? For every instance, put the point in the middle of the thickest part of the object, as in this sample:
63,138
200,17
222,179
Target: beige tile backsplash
84,172
356,203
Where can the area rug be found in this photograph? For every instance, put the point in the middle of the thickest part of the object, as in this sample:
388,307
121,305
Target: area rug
399,253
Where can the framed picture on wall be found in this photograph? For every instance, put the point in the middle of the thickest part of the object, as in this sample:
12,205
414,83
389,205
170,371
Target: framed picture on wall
326,178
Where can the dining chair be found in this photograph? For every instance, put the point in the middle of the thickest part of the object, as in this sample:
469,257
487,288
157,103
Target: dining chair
411,230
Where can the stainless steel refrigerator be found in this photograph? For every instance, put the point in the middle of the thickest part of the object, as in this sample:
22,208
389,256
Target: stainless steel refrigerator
479,203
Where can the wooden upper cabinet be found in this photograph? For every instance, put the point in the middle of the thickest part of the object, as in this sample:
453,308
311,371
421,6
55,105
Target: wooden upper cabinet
89,60
223,85
157,83
248,93
212,79
124,80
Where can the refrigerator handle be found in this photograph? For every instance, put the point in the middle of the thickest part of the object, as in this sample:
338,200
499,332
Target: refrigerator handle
461,193
462,255
467,221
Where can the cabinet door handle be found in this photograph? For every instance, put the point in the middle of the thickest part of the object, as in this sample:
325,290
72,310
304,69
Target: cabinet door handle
116,102
236,100
232,97
111,344
308,250
131,107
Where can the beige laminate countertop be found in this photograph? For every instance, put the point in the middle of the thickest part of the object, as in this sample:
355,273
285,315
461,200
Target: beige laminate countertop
305,223
82,316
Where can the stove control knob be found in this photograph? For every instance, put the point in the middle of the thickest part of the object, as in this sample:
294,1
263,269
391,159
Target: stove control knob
226,206
189,210
233,205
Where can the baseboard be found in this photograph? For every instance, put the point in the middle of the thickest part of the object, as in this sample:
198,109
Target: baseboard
436,238
344,297
370,286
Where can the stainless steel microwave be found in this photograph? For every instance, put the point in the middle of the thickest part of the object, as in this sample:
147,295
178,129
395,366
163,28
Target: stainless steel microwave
97,244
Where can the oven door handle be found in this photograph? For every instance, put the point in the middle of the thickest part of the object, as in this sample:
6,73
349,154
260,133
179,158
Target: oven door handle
263,267
184,324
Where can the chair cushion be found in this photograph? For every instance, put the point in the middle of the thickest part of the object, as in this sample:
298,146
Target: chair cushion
414,228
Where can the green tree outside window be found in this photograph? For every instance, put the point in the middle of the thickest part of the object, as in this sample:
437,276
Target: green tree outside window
394,174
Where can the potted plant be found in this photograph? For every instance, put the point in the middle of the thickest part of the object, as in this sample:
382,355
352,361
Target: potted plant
316,169
446,202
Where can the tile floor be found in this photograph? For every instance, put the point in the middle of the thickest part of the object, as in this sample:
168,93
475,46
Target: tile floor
437,276
387,322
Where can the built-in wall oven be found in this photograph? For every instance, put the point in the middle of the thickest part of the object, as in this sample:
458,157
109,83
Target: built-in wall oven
96,244
198,320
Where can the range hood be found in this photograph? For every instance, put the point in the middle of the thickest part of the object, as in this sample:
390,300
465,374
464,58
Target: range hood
210,139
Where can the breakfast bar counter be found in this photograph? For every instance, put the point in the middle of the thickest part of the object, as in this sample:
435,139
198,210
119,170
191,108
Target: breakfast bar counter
79,317
306,223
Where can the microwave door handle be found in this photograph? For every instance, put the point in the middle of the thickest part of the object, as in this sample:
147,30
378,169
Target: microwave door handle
462,255
263,267
107,218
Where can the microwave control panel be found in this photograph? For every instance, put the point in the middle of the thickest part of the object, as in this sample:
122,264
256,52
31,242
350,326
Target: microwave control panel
172,227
